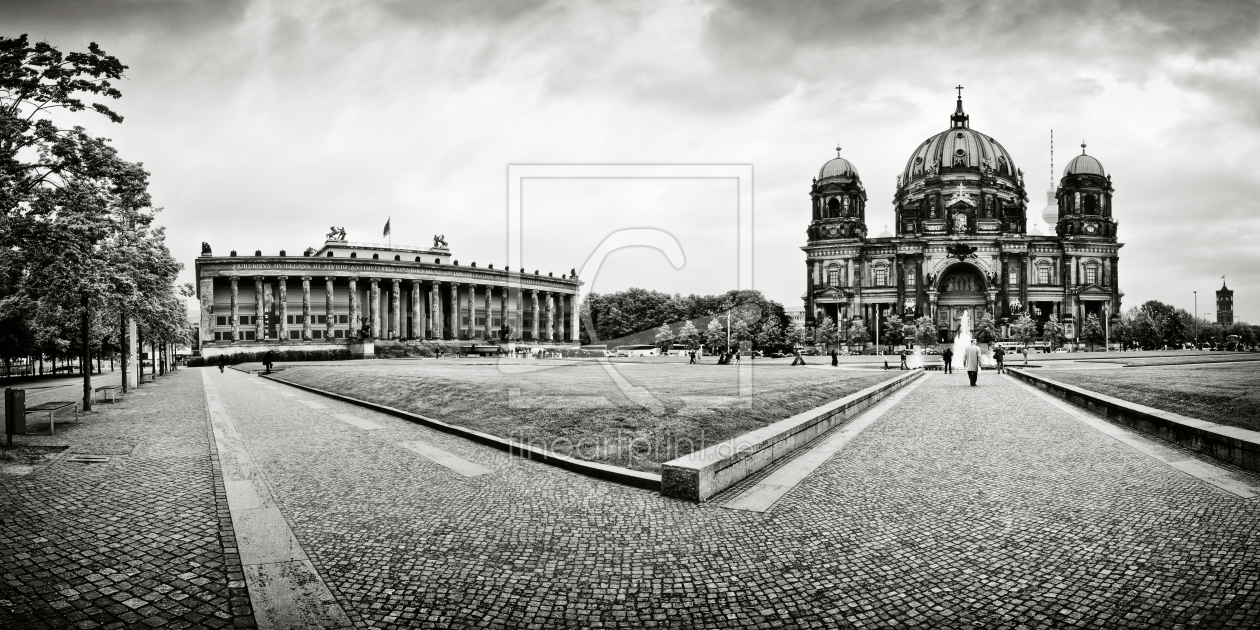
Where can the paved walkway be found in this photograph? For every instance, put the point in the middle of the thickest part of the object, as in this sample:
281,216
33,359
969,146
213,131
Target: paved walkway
138,541
992,506
959,507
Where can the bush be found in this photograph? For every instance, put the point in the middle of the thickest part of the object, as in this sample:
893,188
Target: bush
279,356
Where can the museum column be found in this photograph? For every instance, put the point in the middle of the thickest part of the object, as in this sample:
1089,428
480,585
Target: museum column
330,317
395,308
533,313
575,329
259,317
306,308
417,315
504,292
455,323
236,314
282,332
207,310
490,312
355,327
473,310
548,316
560,316
374,308
435,311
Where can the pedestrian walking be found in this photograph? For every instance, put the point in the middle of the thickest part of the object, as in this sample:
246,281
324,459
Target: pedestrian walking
998,353
903,360
835,361
267,358
971,362
798,360
948,356
222,362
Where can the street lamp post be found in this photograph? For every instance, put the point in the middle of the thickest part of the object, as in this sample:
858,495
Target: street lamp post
1196,318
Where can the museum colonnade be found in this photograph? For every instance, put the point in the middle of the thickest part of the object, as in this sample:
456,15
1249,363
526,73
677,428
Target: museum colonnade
330,308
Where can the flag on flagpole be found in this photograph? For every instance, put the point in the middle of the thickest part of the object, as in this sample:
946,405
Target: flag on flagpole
386,227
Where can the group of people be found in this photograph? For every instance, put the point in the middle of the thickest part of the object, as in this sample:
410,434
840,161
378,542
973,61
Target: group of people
971,360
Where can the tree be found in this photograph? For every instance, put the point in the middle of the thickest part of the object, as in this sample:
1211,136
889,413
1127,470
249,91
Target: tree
664,338
825,332
689,336
1052,330
715,334
1092,331
858,333
769,335
986,329
1024,330
740,333
925,331
894,332
793,336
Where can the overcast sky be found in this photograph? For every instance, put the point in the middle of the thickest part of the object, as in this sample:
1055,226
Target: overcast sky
265,122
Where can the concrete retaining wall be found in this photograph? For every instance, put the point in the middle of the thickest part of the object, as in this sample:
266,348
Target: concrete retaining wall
700,475
1230,444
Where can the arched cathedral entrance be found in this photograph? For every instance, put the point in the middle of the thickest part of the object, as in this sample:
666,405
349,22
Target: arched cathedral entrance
962,290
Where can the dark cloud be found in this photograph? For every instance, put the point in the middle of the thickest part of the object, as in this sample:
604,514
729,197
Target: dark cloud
480,12
100,16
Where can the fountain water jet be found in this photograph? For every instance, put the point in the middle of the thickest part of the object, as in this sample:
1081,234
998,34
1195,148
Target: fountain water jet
963,339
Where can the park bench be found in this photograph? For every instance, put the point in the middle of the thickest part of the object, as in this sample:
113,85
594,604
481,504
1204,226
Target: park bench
147,377
108,390
482,350
51,408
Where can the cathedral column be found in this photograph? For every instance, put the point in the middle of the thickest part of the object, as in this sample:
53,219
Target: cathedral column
259,317
374,308
355,326
1023,282
417,314
306,308
330,317
282,296
455,324
235,313
207,310
533,311
899,269
395,306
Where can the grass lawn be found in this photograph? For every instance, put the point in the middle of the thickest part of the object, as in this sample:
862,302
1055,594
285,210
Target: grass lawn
1225,394
638,416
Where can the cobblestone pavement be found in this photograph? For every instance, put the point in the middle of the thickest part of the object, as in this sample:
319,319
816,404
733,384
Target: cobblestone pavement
139,541
962,507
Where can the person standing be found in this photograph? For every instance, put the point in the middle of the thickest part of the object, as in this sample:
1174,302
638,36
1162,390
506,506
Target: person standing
835,362
222,362
267,359
971,362
998,353
903,360
948,356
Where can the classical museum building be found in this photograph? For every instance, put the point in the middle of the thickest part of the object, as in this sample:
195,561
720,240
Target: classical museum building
344,291
962,243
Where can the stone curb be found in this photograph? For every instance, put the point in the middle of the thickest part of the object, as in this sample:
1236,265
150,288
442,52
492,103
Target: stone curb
1240,447
647,481
700,475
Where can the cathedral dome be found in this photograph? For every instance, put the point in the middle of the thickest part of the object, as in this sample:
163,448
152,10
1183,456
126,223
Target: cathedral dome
959,148
838,167
1084,165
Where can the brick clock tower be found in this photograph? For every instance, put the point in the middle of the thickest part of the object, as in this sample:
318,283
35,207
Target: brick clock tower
1224,305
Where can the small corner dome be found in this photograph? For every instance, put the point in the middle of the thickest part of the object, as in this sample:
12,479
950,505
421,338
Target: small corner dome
1036,231
885,233
1084,165
838,167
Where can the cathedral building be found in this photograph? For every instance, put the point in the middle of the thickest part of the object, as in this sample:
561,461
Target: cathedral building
961,241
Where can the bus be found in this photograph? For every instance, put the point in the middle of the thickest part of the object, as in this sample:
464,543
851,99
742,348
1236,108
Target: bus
641,350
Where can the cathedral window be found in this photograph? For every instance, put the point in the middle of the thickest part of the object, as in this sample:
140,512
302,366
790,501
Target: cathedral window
833,276
1090,204
881,276
1012,276
910,278
1091,274
833,207
1043,274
